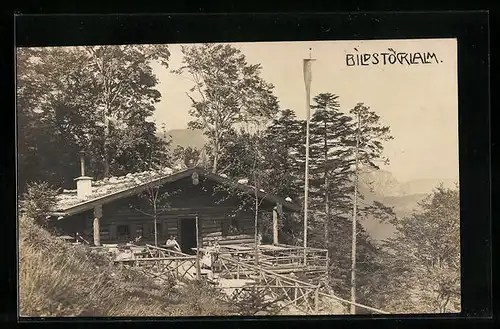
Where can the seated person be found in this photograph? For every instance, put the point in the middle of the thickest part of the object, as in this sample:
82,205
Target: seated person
172,244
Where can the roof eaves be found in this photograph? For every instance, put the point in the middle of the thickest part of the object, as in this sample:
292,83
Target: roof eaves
89,204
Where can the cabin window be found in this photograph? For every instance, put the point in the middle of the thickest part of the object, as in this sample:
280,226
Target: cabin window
123,232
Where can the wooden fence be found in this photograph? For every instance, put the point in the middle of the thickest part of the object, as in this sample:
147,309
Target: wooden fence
306,297
285,288
163,263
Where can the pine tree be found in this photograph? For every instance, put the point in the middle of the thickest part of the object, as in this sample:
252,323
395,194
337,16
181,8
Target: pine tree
283,141
330,180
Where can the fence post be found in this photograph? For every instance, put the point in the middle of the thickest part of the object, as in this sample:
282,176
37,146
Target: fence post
295,294
238,270
316,300
198,270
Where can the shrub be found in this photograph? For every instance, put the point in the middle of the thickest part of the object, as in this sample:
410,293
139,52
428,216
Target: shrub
253,301
37,201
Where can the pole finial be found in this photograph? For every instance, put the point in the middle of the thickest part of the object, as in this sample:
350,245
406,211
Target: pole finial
310,53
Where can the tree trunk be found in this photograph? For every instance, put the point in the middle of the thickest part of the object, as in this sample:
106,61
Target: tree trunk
155,223
216,152
354,222
198,270
327,210
256,223
327,216
107,104
105,146
214,166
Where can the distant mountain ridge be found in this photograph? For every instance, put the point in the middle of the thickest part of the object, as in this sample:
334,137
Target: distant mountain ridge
384,183
382,186
186,138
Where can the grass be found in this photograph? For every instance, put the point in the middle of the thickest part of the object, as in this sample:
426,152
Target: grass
60,279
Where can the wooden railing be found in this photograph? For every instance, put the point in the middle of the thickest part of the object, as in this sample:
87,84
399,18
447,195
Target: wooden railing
284,259
162,263
286,290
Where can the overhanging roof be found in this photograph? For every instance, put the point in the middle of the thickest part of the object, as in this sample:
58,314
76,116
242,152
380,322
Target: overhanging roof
69,204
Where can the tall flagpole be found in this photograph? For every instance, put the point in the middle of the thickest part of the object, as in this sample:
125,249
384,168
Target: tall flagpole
307,81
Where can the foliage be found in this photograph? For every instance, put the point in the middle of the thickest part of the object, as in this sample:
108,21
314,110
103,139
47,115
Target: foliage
252,301
94,99
279,170
229,91
153,202
372,135
37,201
202,298
283,149
188,156
267,159
421,268
339,252
330,171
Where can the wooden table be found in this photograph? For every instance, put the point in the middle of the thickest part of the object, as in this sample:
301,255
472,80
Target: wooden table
237,247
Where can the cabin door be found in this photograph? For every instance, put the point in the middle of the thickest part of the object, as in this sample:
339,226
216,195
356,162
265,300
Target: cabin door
188,235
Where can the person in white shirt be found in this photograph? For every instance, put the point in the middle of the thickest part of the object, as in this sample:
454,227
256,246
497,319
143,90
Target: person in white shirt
172,243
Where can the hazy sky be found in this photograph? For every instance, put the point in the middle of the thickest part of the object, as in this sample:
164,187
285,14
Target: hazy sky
418,102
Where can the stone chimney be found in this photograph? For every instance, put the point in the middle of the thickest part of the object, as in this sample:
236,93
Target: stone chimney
83,183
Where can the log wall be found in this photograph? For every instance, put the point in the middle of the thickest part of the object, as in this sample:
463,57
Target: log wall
185,201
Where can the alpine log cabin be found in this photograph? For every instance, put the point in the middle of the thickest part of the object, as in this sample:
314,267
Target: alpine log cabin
122,209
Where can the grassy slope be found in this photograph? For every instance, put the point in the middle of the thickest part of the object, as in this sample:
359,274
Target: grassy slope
59,279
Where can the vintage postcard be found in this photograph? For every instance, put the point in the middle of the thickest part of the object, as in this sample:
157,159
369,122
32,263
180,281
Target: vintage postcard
220,179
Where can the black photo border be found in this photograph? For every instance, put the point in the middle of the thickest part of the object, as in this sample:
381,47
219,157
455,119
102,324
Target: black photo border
470,28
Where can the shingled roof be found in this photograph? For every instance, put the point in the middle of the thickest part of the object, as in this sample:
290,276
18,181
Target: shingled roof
114,188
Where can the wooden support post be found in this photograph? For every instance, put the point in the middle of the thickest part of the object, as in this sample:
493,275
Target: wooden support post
96,225
198,270
275,225
238,270
316,300
295,294
327,263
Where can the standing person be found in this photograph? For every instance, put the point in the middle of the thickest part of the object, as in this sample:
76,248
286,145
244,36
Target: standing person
172,243
215,256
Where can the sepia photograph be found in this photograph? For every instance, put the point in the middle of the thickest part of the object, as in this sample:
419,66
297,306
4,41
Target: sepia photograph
238,179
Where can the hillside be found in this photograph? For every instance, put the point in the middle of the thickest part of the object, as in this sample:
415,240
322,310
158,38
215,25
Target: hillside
187,137
380,185
60,279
